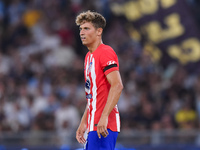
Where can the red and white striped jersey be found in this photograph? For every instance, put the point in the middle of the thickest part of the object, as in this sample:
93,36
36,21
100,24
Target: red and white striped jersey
97,65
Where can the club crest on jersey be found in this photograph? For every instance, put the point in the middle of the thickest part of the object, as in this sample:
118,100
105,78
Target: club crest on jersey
89,68
111,62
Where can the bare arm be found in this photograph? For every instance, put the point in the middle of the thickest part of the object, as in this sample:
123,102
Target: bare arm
82,128
115,81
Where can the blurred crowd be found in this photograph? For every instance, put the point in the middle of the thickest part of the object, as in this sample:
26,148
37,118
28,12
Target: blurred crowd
41,72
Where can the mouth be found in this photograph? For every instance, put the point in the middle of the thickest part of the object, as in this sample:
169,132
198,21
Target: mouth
83,38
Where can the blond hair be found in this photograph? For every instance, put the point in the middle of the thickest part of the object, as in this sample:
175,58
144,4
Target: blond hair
95,18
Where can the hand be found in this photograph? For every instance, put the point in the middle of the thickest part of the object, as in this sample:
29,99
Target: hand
80,134
102,127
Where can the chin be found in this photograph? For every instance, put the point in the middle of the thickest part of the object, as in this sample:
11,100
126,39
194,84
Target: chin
84,43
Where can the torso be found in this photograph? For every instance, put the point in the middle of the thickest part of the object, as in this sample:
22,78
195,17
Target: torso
97,65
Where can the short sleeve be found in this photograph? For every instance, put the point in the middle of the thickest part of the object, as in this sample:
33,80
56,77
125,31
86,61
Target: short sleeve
109,61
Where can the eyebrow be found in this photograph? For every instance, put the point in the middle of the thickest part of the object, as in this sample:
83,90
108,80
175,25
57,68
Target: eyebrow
83,28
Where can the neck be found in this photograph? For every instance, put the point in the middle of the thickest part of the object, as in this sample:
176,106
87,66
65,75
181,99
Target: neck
94,46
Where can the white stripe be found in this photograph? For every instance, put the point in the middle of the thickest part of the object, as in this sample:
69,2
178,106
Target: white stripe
87,65
86,72
94,95
118,122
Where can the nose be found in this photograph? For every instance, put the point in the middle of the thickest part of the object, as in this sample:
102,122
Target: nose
81,32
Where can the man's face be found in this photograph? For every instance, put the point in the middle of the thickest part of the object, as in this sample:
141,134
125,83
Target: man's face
88,33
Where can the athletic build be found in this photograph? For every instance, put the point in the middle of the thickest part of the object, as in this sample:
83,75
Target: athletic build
103,86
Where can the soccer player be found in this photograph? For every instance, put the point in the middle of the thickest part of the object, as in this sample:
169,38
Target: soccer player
103,86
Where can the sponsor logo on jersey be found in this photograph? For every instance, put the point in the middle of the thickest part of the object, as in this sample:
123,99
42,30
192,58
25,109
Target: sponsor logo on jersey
111,62
89,96
87,86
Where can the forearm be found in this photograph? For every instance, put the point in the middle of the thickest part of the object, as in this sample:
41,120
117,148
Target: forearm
82,128
113,97
84,117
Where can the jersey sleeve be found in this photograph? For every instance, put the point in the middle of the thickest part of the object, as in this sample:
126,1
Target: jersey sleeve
109,61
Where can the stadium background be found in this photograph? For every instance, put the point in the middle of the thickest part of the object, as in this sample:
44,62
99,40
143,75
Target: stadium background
41,72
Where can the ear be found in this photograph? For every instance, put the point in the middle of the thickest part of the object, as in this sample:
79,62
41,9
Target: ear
99,31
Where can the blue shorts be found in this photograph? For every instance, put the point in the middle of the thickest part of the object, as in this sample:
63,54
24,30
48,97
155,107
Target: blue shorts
96,143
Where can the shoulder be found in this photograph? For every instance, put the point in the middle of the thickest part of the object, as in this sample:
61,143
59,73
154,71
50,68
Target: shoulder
106,50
